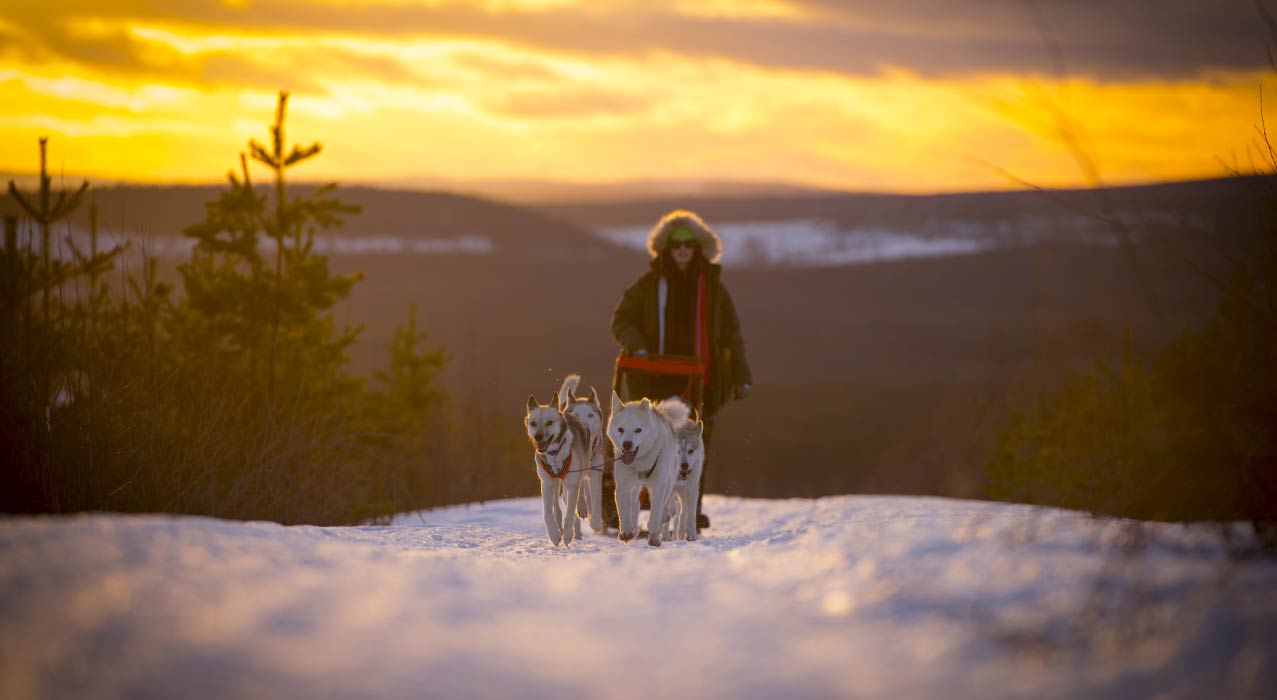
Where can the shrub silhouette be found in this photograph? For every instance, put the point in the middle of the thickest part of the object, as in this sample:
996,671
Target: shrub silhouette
231,398
1188,434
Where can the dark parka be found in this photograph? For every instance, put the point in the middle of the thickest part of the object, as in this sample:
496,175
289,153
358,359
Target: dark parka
636,320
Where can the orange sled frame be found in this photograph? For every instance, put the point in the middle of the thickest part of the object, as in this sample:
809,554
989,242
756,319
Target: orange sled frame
671,365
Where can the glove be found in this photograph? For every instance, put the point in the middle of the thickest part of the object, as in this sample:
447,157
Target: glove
641,352
742,391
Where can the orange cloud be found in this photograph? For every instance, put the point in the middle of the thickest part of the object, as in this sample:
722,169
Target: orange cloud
139,91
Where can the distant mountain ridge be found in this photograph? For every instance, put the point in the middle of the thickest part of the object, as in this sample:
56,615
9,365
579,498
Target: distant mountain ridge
512,190
901,370
555,217
859,207
165,210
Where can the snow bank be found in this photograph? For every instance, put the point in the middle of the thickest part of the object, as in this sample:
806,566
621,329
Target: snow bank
864,597
337,244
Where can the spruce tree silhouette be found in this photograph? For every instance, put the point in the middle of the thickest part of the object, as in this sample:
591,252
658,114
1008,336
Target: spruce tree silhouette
227,279
284,224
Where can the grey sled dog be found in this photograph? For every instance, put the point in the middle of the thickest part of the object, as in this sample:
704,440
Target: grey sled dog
646,441
562,444
590,411
681,511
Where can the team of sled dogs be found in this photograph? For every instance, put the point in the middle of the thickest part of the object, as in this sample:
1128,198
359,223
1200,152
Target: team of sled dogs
658,445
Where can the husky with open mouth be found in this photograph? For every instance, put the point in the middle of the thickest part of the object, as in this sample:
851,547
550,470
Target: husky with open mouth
562,444
590,411
644,435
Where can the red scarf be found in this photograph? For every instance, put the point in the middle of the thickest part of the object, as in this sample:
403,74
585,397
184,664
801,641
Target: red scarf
702,327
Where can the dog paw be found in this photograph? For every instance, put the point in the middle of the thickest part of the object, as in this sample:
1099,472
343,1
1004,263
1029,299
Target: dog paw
626,536
654,541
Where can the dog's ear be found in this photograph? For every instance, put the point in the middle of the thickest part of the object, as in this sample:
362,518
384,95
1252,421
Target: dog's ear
700,428
594,396
616,402
532,403
646,404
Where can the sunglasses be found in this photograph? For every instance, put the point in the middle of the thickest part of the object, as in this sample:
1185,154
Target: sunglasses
675,245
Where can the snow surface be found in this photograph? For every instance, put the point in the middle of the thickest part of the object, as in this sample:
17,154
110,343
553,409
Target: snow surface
852,596
825,243
814,242
336,244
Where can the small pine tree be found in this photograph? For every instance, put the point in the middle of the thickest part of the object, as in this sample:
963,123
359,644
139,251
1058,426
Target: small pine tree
404,423
411,395
268,321
232,399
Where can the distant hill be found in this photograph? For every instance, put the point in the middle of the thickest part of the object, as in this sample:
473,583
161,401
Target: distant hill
886,377
166,210
525,191
1195,197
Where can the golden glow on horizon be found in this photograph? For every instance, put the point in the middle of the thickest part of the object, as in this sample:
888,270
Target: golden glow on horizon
398,107
752,9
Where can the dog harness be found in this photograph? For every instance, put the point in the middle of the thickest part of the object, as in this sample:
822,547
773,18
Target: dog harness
567,467
558,440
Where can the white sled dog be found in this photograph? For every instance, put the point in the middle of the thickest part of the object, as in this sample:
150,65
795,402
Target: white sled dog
643,434
562,444
590,411
681,511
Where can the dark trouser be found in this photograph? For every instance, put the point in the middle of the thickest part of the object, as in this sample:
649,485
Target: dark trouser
709,430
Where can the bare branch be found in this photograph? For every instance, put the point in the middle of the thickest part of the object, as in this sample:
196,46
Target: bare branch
66,205
298,154
261,154
22,201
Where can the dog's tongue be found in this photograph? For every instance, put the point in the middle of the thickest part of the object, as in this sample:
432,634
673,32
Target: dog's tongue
628,457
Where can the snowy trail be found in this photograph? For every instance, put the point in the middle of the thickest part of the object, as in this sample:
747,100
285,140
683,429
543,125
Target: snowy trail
855,596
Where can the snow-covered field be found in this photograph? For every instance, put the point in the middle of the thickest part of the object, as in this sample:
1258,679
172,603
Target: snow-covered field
855,596
815,243
824,243
789,242
176,247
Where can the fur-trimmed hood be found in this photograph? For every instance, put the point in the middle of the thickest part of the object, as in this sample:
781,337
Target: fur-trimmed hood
711,244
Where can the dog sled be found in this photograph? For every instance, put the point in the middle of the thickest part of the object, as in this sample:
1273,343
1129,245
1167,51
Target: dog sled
631,369
683,366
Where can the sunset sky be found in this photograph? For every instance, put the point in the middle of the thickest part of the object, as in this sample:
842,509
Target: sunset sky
906,95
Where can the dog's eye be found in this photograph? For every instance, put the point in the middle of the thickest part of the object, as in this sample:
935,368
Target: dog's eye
690,450
620,430
638,430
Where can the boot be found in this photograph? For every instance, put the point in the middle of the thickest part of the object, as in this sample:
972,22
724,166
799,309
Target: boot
608,509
